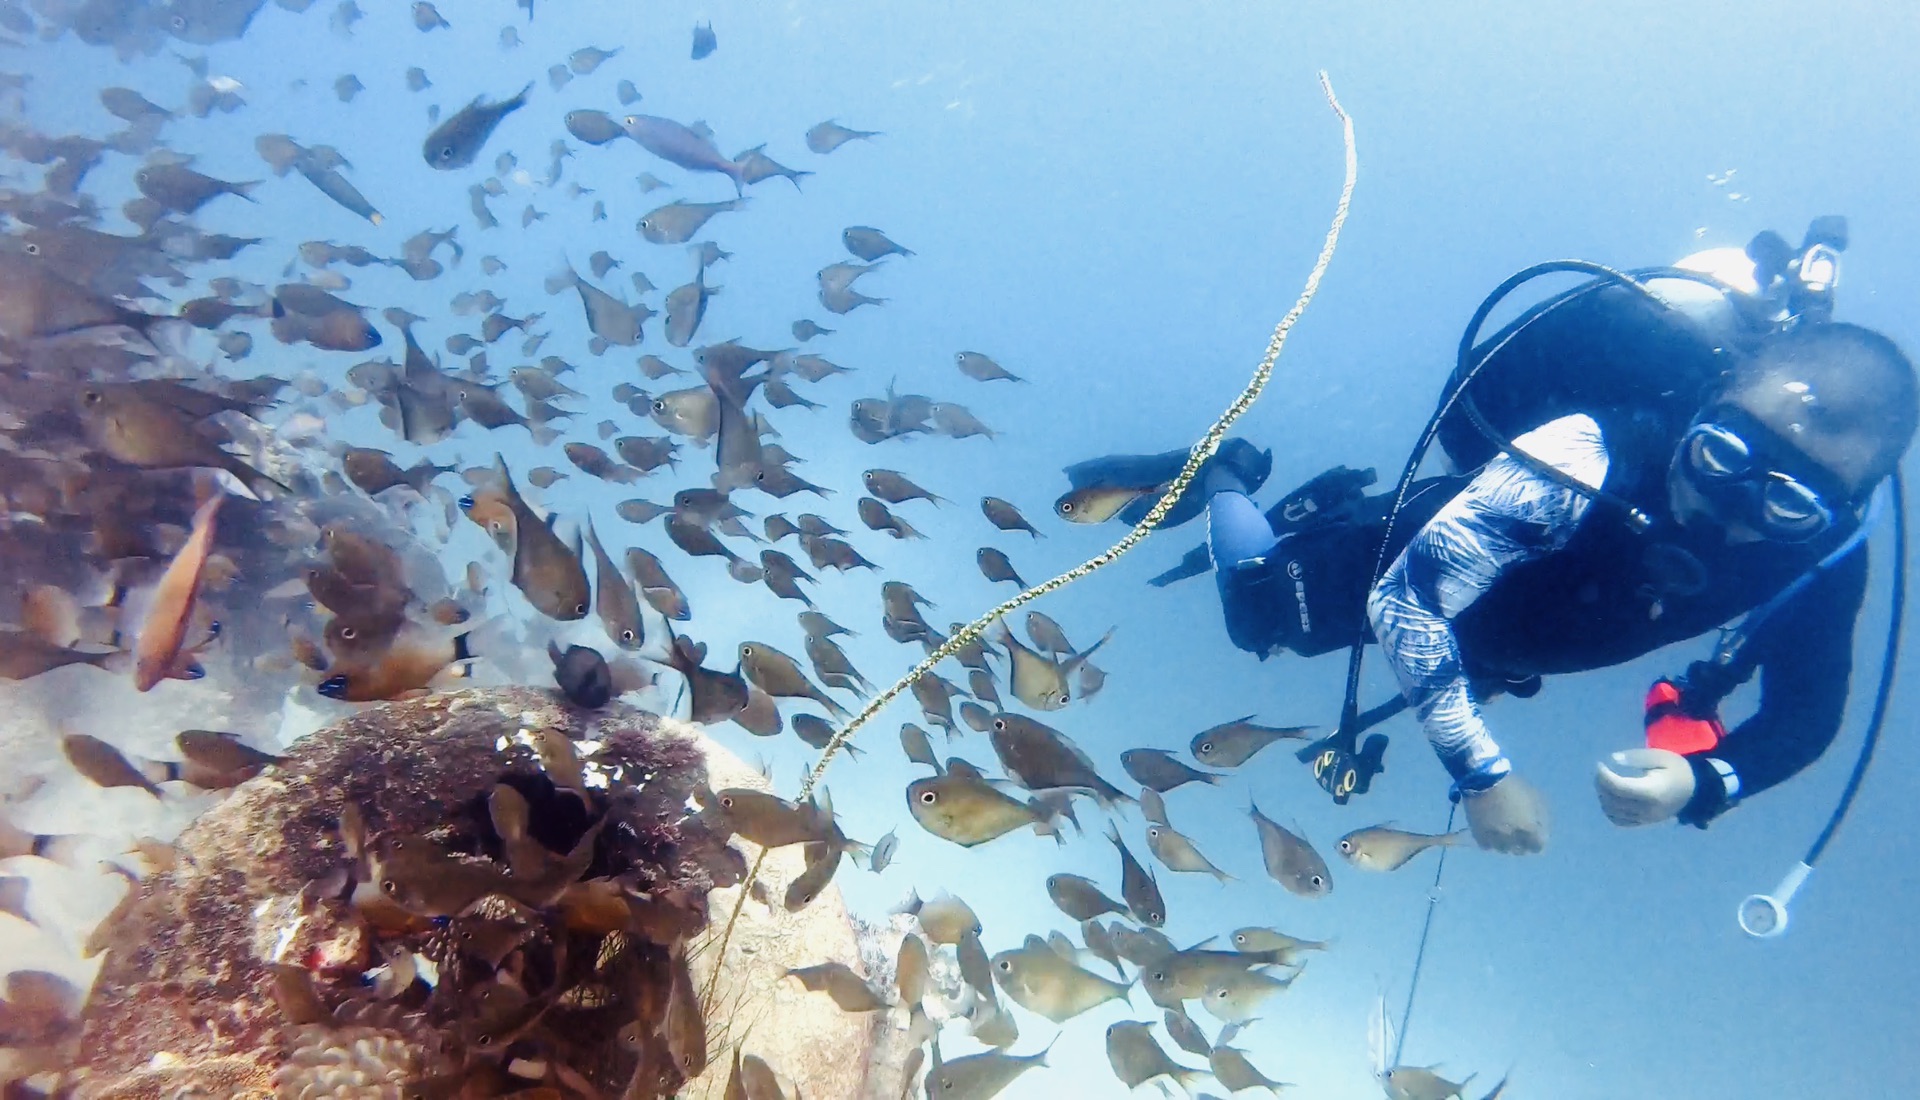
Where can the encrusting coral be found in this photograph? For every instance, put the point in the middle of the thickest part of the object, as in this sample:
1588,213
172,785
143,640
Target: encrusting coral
473,893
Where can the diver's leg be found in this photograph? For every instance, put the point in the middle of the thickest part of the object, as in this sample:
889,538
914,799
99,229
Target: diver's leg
1238,536
1237,529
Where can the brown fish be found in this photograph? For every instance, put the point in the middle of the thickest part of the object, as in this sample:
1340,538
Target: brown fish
965,810
36,301
1290,859
373,471
894,487
1098,504
1039,758
613,599
848,990
995,566
1005,516
24,655
1038,979
713,696
1136,1058
783,576
919,750
769,820
834,668
761,715
1231,744
546,570
779,675
156,436
592,460
1137,886
102,764
946,920
1079,898
1157,769
1176,852
221,753
696,540
981,368
1383,849
656,587
413,660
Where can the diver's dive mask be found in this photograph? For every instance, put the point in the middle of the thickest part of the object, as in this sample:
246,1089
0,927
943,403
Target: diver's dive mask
1724,459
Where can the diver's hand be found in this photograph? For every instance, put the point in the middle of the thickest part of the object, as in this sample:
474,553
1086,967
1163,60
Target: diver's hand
1509,817
1643,786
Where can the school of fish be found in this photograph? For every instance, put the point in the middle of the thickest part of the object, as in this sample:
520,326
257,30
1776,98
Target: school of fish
183,509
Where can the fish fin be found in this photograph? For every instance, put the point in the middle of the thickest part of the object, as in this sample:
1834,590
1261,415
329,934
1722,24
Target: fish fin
461,652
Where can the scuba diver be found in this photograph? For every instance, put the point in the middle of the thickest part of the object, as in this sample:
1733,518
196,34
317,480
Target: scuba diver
1643,459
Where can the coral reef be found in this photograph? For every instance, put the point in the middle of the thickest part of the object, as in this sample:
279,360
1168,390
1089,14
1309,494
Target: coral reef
368,920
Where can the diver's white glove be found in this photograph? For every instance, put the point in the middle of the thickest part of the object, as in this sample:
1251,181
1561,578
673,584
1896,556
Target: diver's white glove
1509,817
1643,786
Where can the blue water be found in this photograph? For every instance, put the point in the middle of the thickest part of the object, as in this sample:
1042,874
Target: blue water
1118,204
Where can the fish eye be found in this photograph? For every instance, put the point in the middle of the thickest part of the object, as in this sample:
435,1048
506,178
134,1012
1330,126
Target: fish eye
579,609
928,798
626,635
93,397
446,152
389,887
727,803
32,249
1153,830
349,633
1346,845
483,1041
1159,975
179,22
1065,507
659,406
466,502
1239,938
1205,749
1316,882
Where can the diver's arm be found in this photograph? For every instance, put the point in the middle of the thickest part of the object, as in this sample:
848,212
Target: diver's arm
1805,654
1506,515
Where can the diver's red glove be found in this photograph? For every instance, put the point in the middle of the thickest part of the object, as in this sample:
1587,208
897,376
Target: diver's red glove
1671,728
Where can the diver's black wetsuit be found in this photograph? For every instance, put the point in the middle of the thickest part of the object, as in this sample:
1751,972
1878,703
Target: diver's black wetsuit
1516,577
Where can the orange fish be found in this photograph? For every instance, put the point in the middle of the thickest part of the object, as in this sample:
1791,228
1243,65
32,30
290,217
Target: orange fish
413,660
156,653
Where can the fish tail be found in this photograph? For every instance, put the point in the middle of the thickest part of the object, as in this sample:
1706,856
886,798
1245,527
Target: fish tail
244,190
253,479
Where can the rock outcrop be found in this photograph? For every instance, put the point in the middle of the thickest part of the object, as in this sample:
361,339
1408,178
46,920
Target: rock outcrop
361,920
